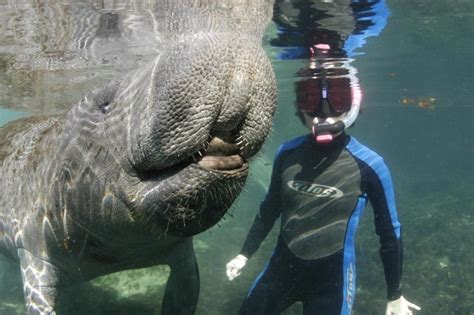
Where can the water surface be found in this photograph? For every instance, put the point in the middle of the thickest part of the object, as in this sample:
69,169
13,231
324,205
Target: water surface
423,53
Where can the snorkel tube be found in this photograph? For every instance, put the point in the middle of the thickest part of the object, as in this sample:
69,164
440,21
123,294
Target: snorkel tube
325,130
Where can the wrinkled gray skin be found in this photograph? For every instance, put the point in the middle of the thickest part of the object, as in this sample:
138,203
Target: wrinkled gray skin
131,172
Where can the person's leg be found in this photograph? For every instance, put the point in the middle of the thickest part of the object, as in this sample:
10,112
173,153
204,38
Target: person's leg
273,290
182,290
328,302
325,286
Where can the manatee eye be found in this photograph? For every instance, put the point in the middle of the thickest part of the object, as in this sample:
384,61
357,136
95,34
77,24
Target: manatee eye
104,107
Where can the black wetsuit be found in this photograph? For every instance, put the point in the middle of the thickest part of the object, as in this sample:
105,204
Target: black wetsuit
320,191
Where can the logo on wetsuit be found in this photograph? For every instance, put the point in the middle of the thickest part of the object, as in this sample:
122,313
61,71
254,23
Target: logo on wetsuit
350,286
315,189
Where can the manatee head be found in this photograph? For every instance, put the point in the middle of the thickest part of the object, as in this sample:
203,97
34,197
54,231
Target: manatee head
179,132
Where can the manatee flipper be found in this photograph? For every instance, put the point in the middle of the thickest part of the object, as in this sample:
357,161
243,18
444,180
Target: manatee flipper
182,290
40,279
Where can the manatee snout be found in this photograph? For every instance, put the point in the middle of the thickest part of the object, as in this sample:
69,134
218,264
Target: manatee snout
192,121
198,88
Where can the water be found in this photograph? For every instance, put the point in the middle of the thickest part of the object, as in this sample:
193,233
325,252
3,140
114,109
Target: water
424,52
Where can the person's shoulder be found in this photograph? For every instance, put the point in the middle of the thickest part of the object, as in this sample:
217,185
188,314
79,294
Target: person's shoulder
293,144
363,153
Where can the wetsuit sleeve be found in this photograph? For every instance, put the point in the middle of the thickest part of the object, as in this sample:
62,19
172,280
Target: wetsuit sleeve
387,226
269,211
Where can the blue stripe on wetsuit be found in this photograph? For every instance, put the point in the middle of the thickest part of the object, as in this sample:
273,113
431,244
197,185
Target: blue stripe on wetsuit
260,276
349,271
375,162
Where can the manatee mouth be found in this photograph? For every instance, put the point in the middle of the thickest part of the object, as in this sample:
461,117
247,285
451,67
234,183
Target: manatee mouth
221,163
221,154
190,197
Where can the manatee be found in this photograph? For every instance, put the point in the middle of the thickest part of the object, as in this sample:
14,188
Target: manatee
138,166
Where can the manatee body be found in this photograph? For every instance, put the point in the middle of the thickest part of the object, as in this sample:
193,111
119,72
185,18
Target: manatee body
127,176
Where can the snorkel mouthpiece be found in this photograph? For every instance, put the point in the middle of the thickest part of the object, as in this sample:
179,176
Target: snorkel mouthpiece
327,130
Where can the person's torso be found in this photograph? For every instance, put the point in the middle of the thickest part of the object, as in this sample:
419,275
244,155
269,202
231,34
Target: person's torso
319,191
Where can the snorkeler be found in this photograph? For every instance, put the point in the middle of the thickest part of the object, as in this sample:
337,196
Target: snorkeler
320,184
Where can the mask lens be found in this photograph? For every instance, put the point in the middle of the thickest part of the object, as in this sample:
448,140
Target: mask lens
340,94
309,95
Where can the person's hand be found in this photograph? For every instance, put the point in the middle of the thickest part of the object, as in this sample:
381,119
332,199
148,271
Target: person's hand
401,307
235,266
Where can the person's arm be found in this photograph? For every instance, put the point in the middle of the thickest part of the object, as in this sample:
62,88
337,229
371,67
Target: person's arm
263,223
269,211
387,226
